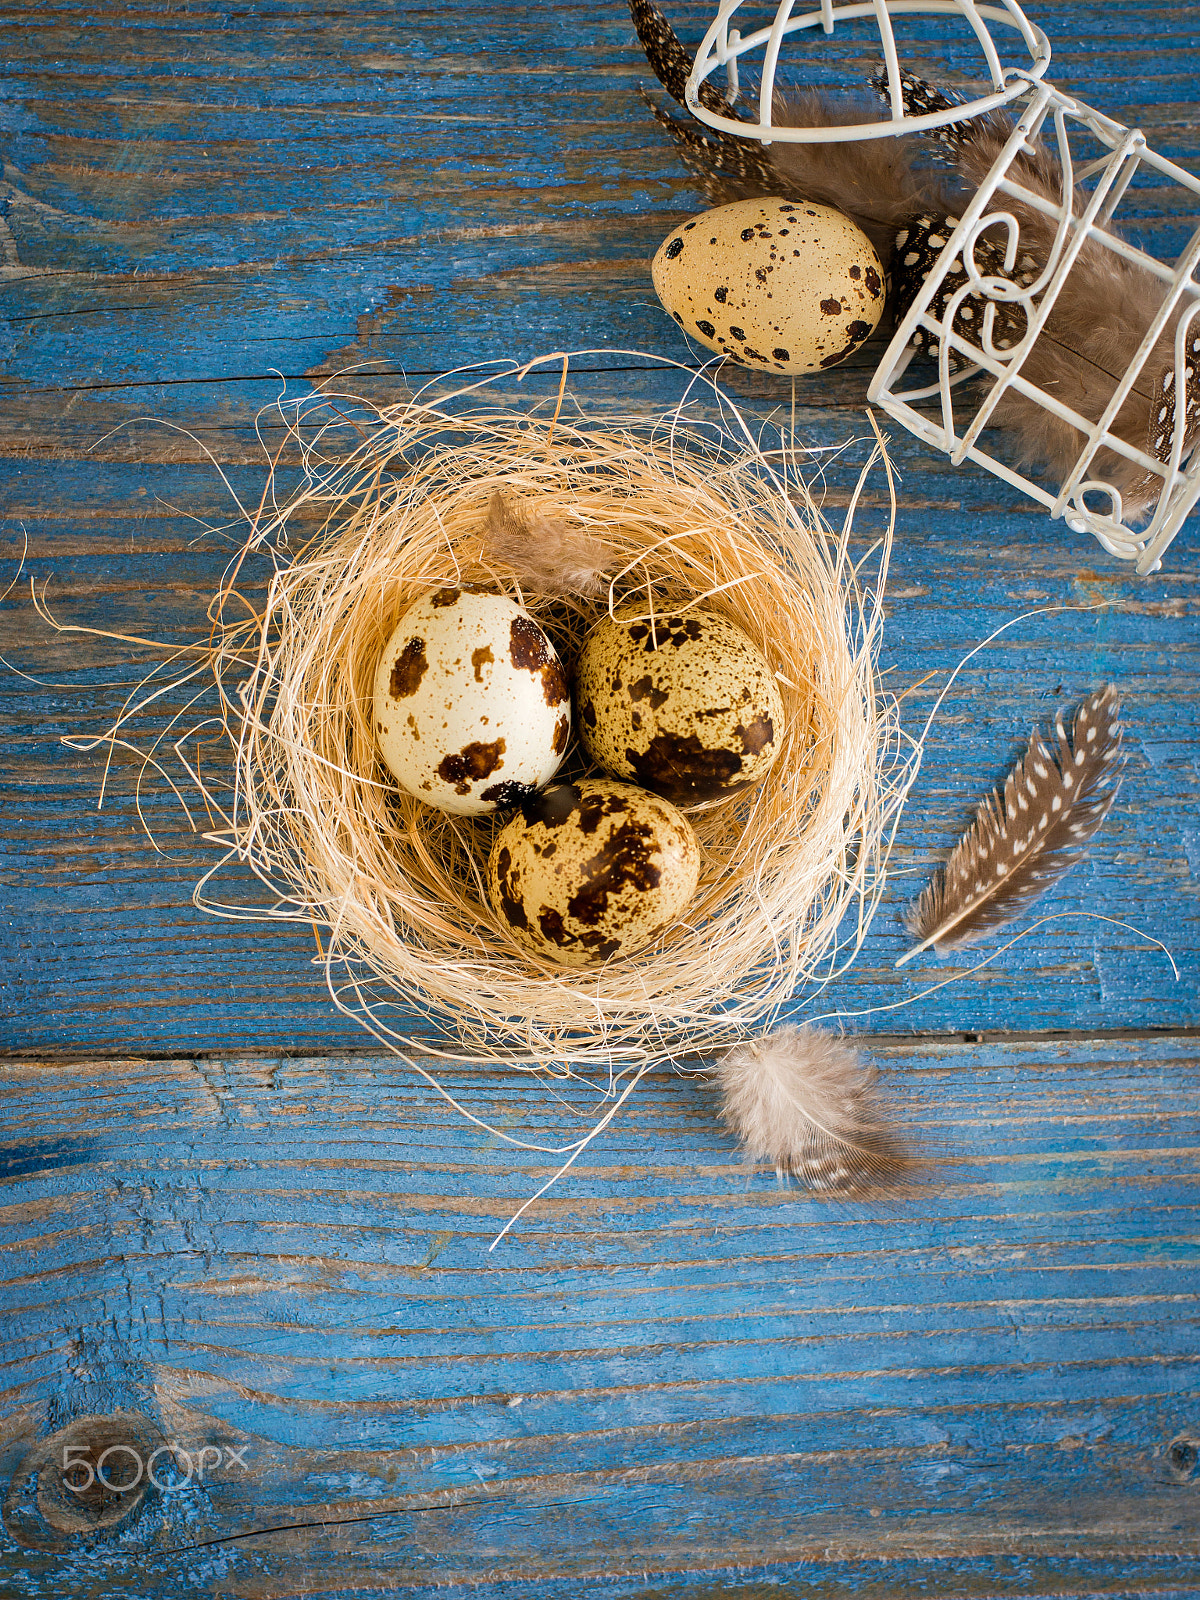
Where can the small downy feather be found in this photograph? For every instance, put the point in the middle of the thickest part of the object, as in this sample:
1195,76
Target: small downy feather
806,1101
1024,837
549,555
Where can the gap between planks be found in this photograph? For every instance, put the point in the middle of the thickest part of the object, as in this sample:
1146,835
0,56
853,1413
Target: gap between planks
873,1041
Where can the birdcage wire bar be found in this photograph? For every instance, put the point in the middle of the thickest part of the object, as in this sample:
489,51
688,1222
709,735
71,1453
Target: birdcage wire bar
722,47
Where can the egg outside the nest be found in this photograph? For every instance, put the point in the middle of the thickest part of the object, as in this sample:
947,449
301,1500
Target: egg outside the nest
589,872
684,705
787,286
471,705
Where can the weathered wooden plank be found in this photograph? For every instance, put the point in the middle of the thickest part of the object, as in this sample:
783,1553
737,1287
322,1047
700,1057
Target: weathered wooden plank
671,1366
109,953
256,216
989,1388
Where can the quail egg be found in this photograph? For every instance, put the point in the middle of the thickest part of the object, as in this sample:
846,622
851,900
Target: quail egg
684,705
590,871
785,285
472,709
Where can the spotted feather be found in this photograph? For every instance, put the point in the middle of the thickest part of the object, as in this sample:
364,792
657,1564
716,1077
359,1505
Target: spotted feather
921,99
918,247
1163,411
1024,837
671,62
727,168
715,156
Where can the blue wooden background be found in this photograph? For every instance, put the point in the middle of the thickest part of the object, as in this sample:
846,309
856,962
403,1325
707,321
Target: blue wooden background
225,1214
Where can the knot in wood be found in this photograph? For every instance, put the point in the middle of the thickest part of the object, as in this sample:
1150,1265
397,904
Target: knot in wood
1183,1456
87,1478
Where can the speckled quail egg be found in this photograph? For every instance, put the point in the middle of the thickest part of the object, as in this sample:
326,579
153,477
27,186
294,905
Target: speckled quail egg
585,872
686,705
472,708
786,285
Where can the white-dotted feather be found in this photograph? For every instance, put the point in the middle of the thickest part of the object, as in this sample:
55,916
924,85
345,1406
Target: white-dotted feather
1024,837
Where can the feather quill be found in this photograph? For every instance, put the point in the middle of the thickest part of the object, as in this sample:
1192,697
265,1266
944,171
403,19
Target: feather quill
806,1101
1025,836
548,554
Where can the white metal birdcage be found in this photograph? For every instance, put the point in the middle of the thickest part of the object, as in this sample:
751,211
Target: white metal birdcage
723,46
1100,161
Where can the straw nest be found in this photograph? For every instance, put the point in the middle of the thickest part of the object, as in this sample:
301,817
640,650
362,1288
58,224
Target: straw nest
790,871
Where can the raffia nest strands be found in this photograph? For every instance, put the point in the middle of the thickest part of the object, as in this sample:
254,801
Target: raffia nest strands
790,871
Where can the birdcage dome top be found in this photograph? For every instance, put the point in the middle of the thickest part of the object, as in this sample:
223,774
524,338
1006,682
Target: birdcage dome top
1012,54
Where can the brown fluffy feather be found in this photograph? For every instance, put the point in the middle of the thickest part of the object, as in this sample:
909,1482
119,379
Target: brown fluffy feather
548,555
1091,335
807,1102
879,183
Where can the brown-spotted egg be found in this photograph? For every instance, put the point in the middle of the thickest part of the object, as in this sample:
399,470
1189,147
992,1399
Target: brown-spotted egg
472,709
684,704
590,871
787,285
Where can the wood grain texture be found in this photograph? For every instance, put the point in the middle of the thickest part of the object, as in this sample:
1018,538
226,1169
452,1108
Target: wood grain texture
108,952
191,205
673,1366
674,1378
